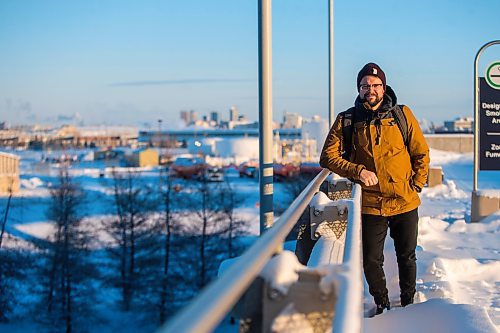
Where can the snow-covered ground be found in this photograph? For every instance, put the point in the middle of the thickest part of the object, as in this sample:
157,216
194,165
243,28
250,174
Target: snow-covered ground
458,262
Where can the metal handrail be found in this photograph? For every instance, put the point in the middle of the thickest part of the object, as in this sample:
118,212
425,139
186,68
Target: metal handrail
349,307
209,308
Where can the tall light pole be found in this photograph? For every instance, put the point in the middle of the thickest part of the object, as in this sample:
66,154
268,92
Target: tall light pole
265,117
159,136
159,154
331,113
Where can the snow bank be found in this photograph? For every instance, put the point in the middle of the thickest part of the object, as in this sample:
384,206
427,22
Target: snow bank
12,242
440,157
447,190
494,194
31,183
436,315
42,230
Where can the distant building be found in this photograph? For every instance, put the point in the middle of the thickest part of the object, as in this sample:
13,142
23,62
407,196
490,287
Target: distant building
189,117
142,158
233,114
100,136
185,117
9,173
459,125
214,116
316,129
193,116
292,120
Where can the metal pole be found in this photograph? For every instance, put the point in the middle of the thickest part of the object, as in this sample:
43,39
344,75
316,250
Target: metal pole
265,116
331,112
476,110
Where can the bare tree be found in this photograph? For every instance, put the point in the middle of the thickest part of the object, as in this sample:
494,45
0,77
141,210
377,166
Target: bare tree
5,302
230,200
132,232
165,273
6,214
203,216
213,227
68,270
167,194
14,262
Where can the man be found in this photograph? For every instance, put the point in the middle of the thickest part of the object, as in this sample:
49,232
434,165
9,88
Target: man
390,171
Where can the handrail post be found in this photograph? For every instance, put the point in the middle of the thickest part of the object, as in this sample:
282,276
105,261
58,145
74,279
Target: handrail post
265,117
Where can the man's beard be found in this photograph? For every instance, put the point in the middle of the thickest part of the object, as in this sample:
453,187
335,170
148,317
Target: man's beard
376,101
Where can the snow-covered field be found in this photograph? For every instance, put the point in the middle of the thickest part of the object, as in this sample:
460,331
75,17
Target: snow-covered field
458,282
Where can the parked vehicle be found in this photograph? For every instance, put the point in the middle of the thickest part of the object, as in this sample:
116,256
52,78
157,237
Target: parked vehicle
310,169
284,171
188,167
249,169
214,174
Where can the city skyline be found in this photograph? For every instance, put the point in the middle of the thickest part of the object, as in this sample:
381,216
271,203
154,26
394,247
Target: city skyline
121,62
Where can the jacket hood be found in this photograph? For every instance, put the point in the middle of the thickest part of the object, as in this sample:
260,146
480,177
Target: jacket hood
390,100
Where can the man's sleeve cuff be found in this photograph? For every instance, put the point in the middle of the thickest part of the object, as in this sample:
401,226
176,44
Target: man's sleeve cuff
359,168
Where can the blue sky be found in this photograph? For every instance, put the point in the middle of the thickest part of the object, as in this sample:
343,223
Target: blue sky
134,62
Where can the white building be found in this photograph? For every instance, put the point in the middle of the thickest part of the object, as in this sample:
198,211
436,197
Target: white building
465,124
292,120
233,113
316,129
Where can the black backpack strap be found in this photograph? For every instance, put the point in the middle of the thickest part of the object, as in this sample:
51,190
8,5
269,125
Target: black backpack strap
400,118
347,129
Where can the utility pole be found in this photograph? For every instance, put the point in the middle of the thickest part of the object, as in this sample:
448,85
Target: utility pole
331,113
265,117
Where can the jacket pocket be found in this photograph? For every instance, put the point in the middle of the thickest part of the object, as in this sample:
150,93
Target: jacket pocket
371,199
401,187
392,137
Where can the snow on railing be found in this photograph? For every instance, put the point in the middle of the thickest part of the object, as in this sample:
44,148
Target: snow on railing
349,307
205,312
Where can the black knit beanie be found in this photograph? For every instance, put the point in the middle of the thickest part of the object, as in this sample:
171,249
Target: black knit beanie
371,69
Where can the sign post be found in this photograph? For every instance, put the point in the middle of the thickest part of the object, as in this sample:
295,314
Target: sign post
486,116
486,131
489,121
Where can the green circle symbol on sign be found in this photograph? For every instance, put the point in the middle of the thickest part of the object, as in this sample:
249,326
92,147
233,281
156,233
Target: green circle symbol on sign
493,75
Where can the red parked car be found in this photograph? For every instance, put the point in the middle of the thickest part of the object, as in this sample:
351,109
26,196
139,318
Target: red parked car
310,169
188,167
283,171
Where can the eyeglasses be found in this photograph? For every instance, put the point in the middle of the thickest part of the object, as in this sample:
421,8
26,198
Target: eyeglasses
367,87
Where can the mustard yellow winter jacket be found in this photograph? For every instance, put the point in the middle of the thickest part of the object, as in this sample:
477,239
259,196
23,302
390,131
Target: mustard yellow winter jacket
378,146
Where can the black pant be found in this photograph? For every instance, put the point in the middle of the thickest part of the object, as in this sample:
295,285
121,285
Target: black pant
404,230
